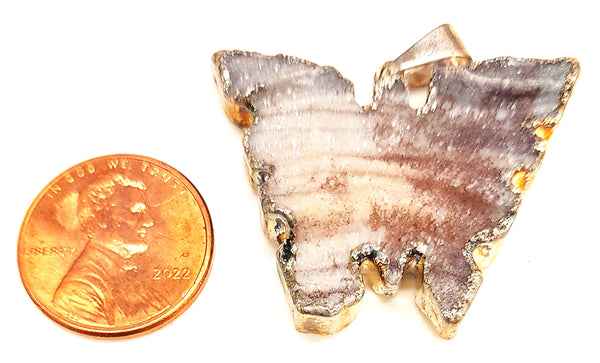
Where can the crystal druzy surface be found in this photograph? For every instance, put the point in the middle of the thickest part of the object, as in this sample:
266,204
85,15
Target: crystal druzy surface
342,183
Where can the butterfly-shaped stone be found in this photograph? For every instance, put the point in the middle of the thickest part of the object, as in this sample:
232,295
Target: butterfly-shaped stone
341,184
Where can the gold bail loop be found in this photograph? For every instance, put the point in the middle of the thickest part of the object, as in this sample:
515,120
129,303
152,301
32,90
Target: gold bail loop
414,67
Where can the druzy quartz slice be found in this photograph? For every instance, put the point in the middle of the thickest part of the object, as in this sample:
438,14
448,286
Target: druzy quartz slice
436,187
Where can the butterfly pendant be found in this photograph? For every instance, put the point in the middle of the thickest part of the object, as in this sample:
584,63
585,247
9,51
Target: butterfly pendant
346,189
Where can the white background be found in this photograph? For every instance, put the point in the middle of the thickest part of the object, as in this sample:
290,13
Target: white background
83,79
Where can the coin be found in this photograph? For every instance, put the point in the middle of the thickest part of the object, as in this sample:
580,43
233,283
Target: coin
116,245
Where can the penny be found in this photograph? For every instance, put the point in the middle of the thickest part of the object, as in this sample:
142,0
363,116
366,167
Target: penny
116,245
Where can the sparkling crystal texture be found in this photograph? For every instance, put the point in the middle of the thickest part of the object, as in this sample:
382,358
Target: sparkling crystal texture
341,184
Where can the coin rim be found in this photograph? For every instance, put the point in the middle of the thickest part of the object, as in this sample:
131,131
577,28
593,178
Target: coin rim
149,324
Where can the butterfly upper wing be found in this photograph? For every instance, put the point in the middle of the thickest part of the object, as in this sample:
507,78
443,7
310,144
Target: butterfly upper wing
340,184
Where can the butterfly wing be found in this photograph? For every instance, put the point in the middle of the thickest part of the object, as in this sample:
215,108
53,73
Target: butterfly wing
483,133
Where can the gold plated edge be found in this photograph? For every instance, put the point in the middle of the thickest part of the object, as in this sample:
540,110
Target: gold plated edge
322,322
236,105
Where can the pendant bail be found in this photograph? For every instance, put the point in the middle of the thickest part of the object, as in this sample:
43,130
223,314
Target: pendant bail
441,46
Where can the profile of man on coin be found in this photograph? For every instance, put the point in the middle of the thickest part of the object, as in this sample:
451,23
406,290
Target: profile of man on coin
115,246
102,286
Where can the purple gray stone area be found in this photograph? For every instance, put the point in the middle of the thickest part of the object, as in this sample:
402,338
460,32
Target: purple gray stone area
341,184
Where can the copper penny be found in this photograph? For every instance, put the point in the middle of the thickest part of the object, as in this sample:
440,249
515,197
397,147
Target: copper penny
116,245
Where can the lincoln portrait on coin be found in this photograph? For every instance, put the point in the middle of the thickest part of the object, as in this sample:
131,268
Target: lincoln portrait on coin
103,285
